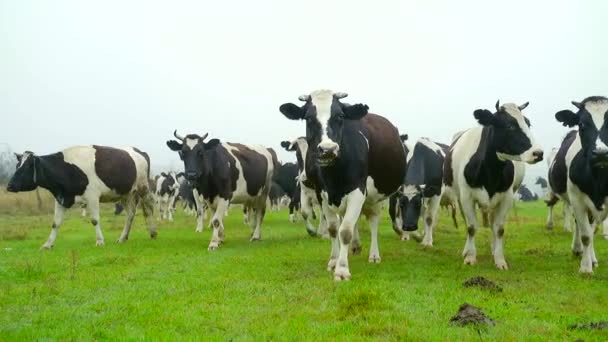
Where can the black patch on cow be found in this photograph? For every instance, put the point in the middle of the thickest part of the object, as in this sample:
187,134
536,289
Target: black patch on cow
558,173
115,168
591,181
167,185
285,178
255,168
219,174
146,157
485,170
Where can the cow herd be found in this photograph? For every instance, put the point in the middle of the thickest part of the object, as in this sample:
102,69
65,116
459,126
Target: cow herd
350,163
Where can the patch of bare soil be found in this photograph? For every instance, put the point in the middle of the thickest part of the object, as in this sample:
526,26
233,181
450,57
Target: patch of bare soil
589,326
470,315
482,283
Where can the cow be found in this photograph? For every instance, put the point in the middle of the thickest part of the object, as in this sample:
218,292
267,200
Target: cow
89,175
185,194
479,167
526,195
310,187
423,188
360,161
394,210
557,183
224,173
275,196
286,180
167,190
582,180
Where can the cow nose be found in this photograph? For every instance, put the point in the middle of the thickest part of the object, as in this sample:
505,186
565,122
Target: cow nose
10,187
328,147
538,155
600,152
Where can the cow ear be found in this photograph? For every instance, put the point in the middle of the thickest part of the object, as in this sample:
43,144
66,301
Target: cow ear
174,145
403,137
567,117
19,157
285,144
355,112
292,112
212,143
164,174
484,117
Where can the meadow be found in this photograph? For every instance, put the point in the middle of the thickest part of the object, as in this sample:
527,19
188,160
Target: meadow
172,288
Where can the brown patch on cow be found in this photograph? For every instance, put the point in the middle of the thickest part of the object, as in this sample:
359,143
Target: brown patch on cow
482,283
501,231
470,315
146,157
585,239
471,231
386,157
346,236
115,168
429,221
275,162
94,222
602,325
254,165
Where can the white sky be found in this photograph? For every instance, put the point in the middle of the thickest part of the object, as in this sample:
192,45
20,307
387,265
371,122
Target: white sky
129,72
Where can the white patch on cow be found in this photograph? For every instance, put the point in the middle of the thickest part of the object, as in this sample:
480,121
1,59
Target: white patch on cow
24,158
410,191
598,110
600,146
322,100
431,145
191,142
528,157
519,173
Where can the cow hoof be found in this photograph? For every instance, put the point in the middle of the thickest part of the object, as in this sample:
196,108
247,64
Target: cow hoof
470,260
46,246
549,226
255,238
152,235
325,236
426,243
199,230
605,237
213,246
577,253
331,265
405,237
356,249
595,264
121,240
341,274
502,265
586,270
311,233
568,229
374,259
99,243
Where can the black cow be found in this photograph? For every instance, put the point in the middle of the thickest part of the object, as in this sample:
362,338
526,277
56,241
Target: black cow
360,161
480,169
580,172
225,173
89,175
286,180
526,195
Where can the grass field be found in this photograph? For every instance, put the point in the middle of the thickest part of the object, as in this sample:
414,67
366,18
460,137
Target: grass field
279,289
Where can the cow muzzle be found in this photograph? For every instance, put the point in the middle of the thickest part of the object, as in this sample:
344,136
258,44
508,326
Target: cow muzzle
408,227
11,187
327,152
191,176
599,157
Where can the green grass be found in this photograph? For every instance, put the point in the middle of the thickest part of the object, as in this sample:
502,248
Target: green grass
279,289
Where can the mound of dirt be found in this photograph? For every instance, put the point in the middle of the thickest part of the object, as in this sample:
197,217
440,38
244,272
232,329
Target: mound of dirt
589,326
482,283
470,315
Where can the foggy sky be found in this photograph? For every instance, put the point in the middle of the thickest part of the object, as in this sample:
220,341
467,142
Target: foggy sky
130,72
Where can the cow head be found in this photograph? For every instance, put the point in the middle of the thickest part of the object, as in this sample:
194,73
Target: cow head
324,115
191,149
511,137
593,132
410,203
25,177
300,146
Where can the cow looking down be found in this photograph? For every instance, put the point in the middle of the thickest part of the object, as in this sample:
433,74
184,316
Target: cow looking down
480,169
167,188
89,175
225,173
360,161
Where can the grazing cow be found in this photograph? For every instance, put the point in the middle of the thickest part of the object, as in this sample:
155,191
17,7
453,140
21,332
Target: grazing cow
526,195
423,188
583,184
394,210
479,167
360,161
89,175
225,173
308,180
286,180
167,189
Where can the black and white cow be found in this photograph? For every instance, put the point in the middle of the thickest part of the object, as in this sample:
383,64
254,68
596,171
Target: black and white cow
557,182
480,169
167,190
360,161
309,182
526,195
423,188
185,194
276,196
286,179
580,173
225,173
89,175
394,210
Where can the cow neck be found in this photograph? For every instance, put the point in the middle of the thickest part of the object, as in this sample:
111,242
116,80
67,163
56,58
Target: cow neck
591,180
44,177
205,184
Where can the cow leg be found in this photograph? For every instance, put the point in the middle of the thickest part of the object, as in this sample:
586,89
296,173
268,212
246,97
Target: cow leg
499,216
354,202
306,211
323,231
93,205
567,218
147,207
260,212
84,211
549,224
171,207
333,221
430,220
292,217
454,220
218,224
605,229
374,218
200,211
57,221
131,207
585,231
468,209
355,245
